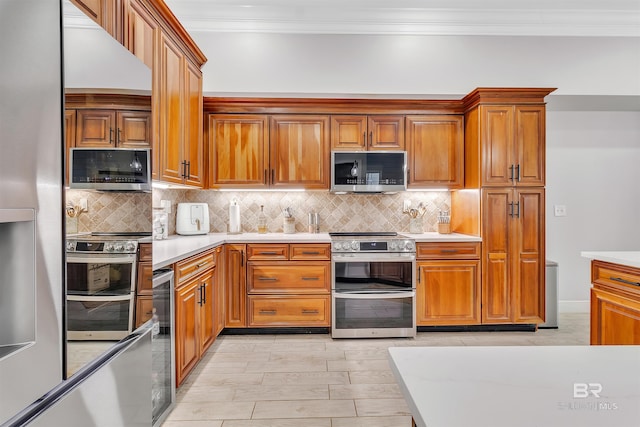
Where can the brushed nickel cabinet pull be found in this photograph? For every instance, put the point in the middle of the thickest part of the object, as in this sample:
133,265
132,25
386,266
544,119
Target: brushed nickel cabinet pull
304,311
310,253
202,264
311,278
364,138
110,135
268,253
448,251
268,279
518,172
269,312
511,173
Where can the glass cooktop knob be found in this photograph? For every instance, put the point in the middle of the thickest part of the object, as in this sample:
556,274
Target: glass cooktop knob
119,247
393,245
108,247
129,246
354,245
70,246
408,245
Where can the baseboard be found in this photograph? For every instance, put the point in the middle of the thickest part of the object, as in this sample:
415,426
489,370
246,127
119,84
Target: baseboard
574,306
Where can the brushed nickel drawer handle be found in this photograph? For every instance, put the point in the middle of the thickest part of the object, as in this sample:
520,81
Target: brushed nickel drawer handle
269,312
310,253
310,311
448,251
268,279
628,282
202,264
311,278
268,253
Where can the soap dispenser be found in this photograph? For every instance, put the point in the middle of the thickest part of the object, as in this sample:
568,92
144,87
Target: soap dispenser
262,221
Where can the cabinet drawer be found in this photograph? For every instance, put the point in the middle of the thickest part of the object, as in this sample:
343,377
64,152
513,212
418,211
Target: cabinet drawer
306,251
623,278
268,251
448,250
194,265
289,311
288,277
146,252
144,309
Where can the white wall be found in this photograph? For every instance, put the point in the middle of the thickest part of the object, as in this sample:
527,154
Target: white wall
593,168
384,64
593,157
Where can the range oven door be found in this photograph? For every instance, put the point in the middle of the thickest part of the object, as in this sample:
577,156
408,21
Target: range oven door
373,295
99,317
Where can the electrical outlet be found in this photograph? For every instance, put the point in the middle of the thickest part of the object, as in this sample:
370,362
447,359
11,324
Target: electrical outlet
560,210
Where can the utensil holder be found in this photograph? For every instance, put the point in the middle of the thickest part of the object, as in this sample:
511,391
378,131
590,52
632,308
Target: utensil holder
289,225
444,228
416,226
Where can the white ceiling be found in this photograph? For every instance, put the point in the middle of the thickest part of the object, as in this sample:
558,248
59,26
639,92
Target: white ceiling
601,18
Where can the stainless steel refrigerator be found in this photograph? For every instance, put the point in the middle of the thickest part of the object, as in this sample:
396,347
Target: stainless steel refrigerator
115,389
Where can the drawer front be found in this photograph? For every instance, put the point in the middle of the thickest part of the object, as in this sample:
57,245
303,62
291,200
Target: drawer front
267,251
448,250
194,265
310,252
144,309
289,311
623,278
289,277
146,252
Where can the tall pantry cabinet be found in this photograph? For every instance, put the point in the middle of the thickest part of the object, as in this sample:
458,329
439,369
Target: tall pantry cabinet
505,166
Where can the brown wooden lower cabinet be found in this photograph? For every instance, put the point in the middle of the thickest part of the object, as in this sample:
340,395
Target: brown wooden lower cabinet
448,284
144,284
615,304
235,286
295,310
195,310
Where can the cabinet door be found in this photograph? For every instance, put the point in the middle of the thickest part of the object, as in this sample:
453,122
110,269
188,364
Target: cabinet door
435,151
69,139
299,152
615,320
141,32
530,145
95,128
218,291
144,282
134,129
348,133
448,292
235,286
496,256
207,327
238,147
385,133
528,273
170,120
192,110
186,323
497,136
144,309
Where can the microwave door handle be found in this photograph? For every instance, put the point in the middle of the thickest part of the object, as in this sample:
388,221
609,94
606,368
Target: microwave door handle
370,295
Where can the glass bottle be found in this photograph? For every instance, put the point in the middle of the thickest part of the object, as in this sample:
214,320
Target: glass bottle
262,221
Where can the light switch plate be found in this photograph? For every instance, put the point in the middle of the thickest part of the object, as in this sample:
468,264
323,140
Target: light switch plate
560,210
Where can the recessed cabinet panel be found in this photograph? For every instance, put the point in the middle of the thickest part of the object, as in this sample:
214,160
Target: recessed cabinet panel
96,128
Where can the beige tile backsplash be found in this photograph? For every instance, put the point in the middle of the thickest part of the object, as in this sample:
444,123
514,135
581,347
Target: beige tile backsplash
111,211
338,212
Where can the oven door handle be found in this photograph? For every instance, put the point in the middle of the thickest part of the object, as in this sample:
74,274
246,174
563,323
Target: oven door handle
374,294
102,259
404,257
99,298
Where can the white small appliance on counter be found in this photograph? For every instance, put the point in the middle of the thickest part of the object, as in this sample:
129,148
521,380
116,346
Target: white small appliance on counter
192,218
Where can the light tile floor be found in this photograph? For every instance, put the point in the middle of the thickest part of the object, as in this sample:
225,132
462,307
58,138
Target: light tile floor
316,381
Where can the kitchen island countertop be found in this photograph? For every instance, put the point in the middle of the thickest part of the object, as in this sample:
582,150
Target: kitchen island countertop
177,247
629,258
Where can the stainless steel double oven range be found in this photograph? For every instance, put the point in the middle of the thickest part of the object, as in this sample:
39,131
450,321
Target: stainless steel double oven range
101,285
373,285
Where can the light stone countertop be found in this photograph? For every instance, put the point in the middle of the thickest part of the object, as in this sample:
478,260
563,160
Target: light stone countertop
522,386
630,258
176,247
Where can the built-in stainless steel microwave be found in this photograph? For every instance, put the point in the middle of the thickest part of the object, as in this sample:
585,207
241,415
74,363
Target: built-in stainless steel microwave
368,171
110,169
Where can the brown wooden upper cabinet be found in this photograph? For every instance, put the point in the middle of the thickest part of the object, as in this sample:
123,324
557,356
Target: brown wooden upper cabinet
258,151
238,150
435,151
180,147
141,31
106,13
374,132
113,128
512,145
